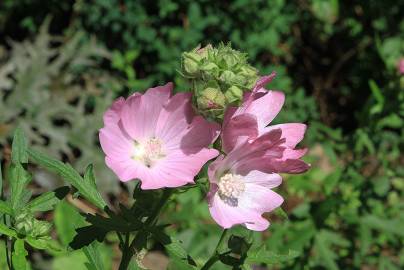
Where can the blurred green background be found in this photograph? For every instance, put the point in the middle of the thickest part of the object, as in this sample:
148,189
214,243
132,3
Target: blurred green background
62,62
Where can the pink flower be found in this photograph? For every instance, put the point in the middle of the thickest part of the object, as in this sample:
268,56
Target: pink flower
156,138
264,105
400,66
241,181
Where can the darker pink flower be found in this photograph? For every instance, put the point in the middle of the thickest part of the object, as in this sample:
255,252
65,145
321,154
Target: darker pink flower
400,66
263,106
156,138
241,181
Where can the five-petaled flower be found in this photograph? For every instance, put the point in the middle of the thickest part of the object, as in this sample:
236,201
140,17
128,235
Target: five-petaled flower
241,181
156,137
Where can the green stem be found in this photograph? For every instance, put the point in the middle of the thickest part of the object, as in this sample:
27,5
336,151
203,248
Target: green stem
6,241
215,256
130,250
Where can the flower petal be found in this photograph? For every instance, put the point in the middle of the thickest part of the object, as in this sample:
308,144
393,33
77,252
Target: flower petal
259,199
141,112
238,129
292,132
228,216
268,180
113,114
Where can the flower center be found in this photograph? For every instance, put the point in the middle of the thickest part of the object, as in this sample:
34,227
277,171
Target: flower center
148,152
231,186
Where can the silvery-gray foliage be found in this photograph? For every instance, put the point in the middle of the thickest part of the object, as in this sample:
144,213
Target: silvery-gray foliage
50,87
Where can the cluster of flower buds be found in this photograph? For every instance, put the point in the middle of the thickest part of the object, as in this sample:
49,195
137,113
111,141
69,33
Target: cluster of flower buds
219,77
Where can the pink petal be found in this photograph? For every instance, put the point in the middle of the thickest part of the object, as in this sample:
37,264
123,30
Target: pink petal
292,132
268,180
293,166
238,129
174,120
266,106
260,224
141,112
214,168
199,135
112,115
178,168
125,168
293,153
114,142
228,216
264,80
259,199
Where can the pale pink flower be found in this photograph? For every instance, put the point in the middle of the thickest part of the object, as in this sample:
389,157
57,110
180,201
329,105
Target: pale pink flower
400,66
156,138
241,181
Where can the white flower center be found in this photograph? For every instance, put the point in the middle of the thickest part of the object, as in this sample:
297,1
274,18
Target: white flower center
231,186
148,152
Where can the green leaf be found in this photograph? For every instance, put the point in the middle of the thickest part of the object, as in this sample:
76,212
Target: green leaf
46,243
393,226
1,179
19,255
86,189
5,208
4,229
19,147
67,219
89,175
261,255
19,178
94,258
86,235
48,200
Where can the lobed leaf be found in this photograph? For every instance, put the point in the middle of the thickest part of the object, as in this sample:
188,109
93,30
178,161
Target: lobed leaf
19,147
86,188
19,178
48,200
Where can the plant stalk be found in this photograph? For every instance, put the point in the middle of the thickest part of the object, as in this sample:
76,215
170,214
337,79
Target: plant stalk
215,256
129,250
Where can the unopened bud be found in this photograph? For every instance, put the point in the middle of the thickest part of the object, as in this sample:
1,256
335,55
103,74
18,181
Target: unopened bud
233,94
41,228
190,63
211,99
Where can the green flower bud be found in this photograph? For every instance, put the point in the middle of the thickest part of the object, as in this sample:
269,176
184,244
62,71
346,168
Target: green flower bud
210,67
204,52
41,228
218,77
24,223
233,94
190,63
211,99
228,77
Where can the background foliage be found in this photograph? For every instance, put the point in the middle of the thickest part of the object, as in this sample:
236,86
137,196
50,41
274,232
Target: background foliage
63,62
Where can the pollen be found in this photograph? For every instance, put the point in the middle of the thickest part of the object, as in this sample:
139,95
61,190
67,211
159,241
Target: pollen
148,152
231,187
